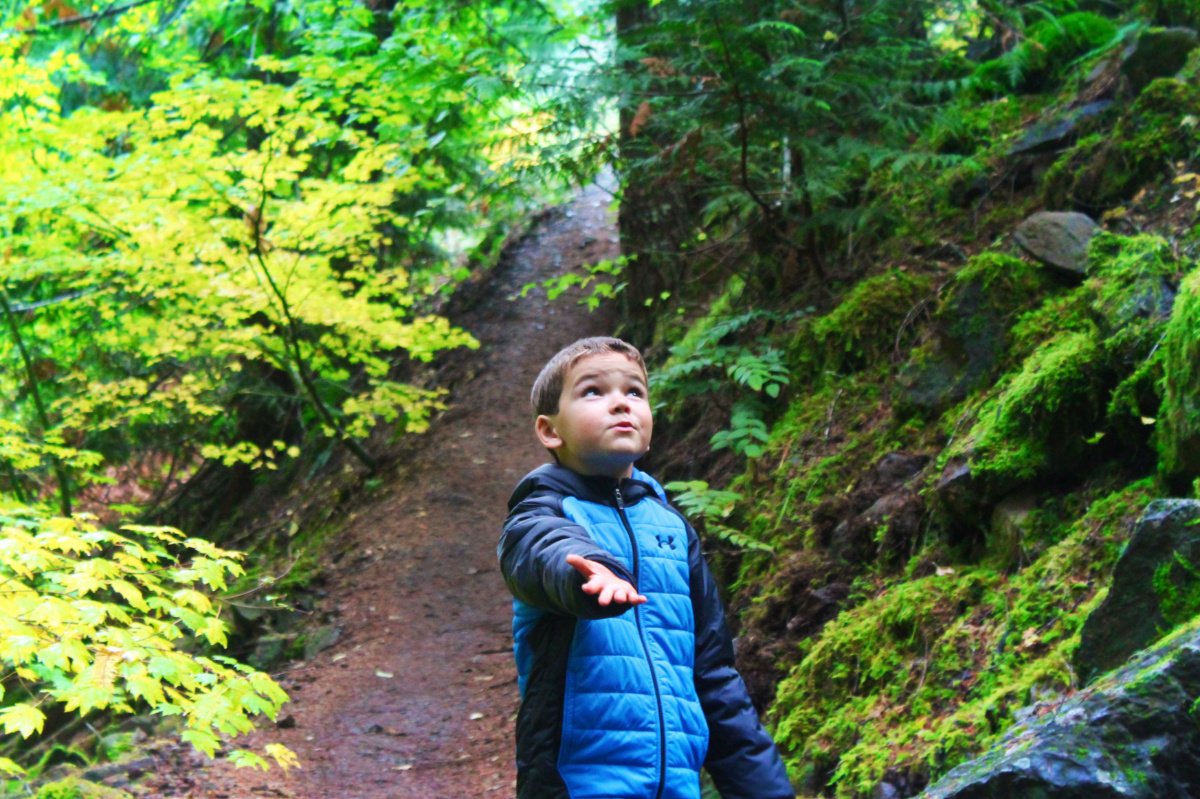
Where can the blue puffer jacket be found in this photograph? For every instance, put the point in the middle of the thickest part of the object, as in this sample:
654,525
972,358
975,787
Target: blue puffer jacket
624,703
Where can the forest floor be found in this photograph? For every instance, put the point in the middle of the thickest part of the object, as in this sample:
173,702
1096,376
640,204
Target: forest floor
418,697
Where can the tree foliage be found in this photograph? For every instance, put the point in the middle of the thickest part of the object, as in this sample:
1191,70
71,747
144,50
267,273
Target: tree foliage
226,229
92,619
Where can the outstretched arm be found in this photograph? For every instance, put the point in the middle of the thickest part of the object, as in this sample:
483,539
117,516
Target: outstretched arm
536,552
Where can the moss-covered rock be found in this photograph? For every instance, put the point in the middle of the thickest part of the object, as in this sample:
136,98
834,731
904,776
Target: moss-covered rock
1158,53
1103,170
1163,553
1038,422
1172,12
917,675
864,327
1178,429
1132,735
971,332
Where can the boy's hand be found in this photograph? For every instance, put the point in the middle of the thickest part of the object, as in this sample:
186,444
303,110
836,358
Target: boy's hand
598,579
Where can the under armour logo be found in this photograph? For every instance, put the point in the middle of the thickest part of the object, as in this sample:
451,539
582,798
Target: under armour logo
666,541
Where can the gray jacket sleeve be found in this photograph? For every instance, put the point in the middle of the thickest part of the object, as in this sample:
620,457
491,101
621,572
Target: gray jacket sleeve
533,551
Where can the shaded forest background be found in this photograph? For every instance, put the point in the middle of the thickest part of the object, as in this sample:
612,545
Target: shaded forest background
916,281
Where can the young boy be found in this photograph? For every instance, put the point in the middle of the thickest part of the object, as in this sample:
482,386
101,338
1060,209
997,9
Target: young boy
624,662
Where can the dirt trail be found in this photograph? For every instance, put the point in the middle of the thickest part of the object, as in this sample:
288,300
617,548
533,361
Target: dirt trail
417,698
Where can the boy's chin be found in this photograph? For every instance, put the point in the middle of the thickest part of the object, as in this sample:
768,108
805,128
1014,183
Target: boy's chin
615,465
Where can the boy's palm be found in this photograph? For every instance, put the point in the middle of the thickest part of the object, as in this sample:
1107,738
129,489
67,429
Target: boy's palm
599,580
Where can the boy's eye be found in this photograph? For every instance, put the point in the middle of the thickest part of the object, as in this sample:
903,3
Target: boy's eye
590,391
636,392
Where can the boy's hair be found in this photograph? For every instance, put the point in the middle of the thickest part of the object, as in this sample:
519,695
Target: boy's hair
549,384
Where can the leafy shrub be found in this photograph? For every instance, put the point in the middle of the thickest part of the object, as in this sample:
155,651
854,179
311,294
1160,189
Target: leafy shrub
713,506
96,620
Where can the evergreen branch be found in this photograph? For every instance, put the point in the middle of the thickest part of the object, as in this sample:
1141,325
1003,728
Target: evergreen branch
743,128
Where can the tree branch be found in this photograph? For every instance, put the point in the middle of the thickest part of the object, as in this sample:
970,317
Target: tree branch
80,19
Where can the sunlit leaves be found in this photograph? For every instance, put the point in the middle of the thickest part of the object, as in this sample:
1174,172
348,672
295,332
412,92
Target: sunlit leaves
105,613
197,237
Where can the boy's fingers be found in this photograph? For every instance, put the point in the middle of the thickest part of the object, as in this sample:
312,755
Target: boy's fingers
588,568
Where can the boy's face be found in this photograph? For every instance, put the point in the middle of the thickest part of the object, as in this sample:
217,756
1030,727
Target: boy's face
603,422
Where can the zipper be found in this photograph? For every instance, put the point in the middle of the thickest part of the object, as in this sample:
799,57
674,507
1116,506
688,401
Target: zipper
637,615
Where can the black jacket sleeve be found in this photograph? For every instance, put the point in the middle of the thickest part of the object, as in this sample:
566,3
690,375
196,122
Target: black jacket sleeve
533,553
742,759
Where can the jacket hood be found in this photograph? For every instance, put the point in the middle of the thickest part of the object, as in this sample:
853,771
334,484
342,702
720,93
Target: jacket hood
591,488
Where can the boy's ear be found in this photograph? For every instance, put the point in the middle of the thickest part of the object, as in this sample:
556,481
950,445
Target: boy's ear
544,427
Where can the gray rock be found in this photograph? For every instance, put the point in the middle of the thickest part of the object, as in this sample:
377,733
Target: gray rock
885,790
1157,53
1131,735
1161,556
897,467
271,649
957,492
1058,239
320,639
1052,135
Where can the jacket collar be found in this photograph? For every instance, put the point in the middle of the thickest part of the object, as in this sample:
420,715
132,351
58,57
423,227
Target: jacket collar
587,487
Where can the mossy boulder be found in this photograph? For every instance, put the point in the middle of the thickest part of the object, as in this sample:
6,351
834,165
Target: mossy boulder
1131,735
1125,301
1163,553
1037,423
1158,53
1178,429
863,328
970,332
1083,377
1103,170
1172,12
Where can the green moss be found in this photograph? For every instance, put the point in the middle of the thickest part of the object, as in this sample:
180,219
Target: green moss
965,128
864,328
1156,131
1178,430
1123,304
1036,422
926,673
1177,584
74,788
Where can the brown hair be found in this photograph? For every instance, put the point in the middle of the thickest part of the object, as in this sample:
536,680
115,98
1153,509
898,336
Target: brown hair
549,384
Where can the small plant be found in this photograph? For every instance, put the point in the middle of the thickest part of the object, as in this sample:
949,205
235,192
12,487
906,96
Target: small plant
709,364
747,434
714,506
93,620
603,277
